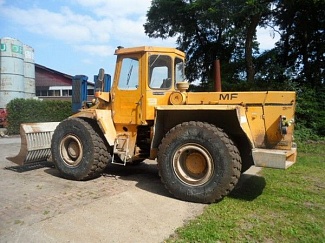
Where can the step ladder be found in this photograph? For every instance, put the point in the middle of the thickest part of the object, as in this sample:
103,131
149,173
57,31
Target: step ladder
121,149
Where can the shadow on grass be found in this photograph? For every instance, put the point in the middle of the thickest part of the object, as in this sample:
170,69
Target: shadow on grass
248,188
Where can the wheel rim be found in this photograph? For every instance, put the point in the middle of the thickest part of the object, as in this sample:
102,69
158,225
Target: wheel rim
193,164
71,150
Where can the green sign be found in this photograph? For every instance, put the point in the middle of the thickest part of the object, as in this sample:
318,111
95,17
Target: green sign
17,49
3,47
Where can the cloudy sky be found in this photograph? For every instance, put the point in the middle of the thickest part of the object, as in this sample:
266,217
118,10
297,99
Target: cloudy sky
80,36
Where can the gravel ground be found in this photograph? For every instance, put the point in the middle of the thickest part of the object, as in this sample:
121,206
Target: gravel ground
126,204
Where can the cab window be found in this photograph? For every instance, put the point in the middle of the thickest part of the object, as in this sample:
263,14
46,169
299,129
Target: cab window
129,76
160,72
179,70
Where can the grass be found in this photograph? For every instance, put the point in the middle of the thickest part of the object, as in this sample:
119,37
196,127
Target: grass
278,206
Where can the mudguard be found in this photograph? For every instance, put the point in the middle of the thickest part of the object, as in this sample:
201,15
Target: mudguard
104,120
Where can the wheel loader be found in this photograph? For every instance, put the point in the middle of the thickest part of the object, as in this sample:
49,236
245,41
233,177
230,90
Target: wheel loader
202,141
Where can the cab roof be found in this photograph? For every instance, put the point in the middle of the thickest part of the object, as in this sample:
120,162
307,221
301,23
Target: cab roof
122,50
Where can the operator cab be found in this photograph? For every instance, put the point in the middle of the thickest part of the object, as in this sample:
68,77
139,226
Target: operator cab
145,77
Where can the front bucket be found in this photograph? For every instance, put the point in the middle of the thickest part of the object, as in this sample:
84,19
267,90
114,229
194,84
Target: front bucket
35,142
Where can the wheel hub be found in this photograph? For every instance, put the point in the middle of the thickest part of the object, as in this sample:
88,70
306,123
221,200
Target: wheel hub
193,164
71,150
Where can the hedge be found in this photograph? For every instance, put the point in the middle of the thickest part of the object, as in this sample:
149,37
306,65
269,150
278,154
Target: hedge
31,110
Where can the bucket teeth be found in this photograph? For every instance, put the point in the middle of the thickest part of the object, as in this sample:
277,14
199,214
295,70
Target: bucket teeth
35,142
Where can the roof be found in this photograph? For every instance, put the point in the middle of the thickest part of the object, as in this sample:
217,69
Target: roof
46,77
122,50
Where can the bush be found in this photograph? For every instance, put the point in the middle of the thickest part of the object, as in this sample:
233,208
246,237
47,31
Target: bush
310,114
31,111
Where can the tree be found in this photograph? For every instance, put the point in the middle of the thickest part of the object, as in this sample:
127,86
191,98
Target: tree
250,15
301,54
201,28
207,30
302,49
226,29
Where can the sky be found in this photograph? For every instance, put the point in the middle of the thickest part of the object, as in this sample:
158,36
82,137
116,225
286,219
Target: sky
80,36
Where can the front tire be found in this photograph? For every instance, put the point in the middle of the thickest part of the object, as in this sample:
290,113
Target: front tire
79,151
198,162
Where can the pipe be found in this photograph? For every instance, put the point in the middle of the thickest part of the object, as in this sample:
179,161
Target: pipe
217,76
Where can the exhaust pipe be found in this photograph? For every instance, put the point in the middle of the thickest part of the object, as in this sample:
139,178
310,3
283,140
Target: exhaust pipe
217,76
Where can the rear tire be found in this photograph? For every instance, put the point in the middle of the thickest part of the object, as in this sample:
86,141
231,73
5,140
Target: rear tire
198,162
79,150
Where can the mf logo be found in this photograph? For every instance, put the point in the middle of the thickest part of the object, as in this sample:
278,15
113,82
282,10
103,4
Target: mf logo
230,96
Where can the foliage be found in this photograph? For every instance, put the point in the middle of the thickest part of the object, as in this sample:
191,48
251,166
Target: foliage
204,28
277,206
310,113
301,47
209,30
30,111
226,30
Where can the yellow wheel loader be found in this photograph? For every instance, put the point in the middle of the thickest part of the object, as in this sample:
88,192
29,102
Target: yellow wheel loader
202,141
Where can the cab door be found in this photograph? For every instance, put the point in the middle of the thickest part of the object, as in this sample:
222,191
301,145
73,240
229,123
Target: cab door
126,92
